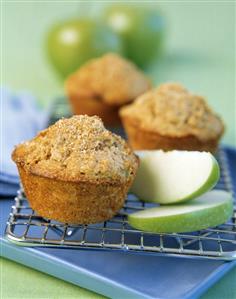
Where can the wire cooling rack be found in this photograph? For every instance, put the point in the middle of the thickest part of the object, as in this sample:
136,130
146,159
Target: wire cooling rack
26,228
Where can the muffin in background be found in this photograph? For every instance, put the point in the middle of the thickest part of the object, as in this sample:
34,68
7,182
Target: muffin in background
170,117
103,85
76,171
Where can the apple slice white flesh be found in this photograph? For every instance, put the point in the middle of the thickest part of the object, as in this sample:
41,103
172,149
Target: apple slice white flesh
210,209
175,176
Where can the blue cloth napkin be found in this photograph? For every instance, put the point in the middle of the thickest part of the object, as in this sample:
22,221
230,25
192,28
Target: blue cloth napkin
21,118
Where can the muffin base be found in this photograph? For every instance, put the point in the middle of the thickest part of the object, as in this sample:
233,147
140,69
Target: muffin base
73,202
93,106
140,139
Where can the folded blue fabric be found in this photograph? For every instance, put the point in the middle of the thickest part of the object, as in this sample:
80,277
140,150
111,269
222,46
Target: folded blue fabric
7,190
21,119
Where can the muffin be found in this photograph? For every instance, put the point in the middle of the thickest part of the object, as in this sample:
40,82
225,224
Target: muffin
170,117
103,85
76,171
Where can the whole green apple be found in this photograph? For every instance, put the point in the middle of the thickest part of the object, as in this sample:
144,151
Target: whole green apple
73,42
141,30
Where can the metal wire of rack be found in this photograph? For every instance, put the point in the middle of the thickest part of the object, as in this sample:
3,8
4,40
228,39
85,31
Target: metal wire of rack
26,228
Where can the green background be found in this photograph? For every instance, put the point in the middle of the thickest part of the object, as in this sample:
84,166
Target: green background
200,53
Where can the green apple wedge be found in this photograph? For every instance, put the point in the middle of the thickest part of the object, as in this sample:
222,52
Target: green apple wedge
210,209
174,176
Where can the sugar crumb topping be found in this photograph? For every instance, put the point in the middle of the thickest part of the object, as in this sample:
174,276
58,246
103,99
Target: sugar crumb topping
172,110
110,78
78,148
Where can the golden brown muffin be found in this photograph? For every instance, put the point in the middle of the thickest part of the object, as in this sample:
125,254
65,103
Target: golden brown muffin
170,117
76,171
103,85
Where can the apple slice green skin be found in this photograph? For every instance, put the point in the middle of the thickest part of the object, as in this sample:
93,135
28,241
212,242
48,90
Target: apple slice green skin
209,184
209,210
139,190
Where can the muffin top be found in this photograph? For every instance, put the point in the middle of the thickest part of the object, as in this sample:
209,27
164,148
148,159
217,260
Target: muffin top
78,149
173,111
110,79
